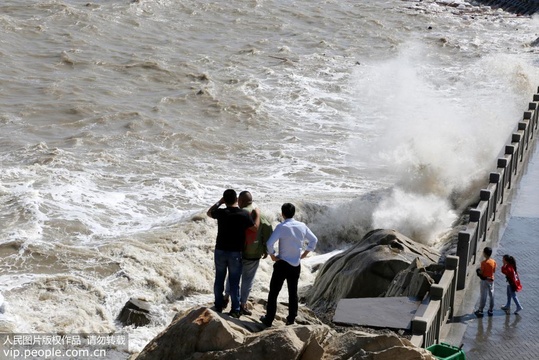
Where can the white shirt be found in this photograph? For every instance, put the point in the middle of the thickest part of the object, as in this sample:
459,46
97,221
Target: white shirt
291,234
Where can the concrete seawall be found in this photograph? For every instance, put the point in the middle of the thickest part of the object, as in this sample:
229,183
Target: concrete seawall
506,335
444,313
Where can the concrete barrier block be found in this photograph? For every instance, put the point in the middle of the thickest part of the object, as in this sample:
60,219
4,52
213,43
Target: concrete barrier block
475,215
420,326
451,262
509,149
436,292
485,195
494,177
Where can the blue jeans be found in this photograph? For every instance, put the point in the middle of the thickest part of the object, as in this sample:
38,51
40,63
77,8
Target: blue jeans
227,261
247,278
487,289
512,295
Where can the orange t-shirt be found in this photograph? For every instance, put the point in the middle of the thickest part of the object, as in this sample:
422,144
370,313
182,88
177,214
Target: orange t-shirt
488,267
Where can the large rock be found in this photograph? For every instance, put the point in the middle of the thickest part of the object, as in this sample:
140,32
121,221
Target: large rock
414,281
367,269
201,330
198,331
202,334
135,312
363,346
289,342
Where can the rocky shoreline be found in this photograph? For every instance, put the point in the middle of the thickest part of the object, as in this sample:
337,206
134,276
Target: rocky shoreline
202,334
383,263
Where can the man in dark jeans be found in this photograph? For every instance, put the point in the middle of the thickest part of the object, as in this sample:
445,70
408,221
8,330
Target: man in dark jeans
254,249
291,234
231,225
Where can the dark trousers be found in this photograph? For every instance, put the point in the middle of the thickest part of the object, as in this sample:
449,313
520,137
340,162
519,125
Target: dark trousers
283,271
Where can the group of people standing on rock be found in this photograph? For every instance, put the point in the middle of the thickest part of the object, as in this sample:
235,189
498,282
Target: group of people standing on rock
486,274
244,236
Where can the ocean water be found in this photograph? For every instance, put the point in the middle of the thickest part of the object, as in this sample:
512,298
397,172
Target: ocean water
123,121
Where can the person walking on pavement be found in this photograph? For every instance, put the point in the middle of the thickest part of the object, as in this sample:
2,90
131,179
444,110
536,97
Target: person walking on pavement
231,225
486,273
290,234
509,269
253,250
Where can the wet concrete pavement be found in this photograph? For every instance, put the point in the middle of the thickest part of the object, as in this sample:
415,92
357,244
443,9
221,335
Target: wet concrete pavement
510,336
503,336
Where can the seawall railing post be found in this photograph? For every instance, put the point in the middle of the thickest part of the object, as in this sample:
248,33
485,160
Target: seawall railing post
510,150
523,126
463,253
420,326
502,163
452,263
533,106
477,217
486,195
530,115
494,178
517,138
437,294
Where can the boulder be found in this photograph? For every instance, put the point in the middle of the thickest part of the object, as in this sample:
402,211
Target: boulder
203,330
359,345
289,342
367,269
200,330
135,312
203,334
414,281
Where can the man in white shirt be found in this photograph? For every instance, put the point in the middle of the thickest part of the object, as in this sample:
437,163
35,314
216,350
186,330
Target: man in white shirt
291,235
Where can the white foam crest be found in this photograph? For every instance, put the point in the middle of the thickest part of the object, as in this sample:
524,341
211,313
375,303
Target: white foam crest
434,137
105,211
317,260
22,204
13,281
535,21
311,99
343,223
420,217
75,303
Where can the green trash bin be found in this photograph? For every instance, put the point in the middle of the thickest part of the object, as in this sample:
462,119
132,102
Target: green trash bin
445,351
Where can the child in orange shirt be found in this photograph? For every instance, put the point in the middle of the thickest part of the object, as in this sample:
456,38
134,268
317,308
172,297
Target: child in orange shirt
486,273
